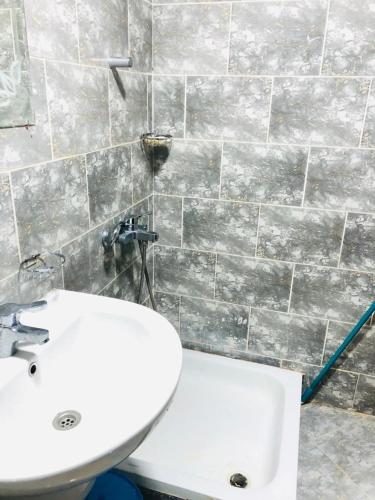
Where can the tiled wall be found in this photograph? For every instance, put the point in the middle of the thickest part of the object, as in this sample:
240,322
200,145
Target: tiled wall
15,98
266,208
69,177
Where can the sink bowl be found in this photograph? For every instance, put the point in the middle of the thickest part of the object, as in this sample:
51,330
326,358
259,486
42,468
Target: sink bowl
80,404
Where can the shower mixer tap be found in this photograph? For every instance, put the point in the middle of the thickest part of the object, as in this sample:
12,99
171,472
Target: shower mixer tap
130,229
126,231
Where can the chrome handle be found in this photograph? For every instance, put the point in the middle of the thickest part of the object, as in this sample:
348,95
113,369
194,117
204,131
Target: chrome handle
9,312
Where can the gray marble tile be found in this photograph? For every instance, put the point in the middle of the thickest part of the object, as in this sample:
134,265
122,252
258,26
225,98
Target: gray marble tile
318,475
199,44
214,323
320,111
6,40
168,219
349,41
368,139
126,285
228,352
277,38
51,204
220,226
227,108
348,439
21,146
10,4
140,34
102,29
169,104
279,335
149,103
169,307
297,235
262,173
78,103
85,269
52,29
338,388
184,272
16,107
29,288
358,251
364,400
254,282
342,179
125,255
193,169
359,356
128,111
329,293
109,182
8,240
142,174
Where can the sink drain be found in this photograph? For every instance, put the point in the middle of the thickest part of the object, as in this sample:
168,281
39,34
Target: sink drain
238,480
66,420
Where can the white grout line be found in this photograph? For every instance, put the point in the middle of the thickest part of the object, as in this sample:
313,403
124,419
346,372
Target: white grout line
215,272
182,222
131,173
152,107
48,112
257,308
306,176
221,168
109,107
98,64
258,227
128,28
248,329
229,35
207,2
13,34
179,314
202,141
87,192
78,33
325,342
270,113
14,217
268,260
185,109
342,240
291,288
290,145
250,76
356,387
70,157
365,115
325,37
257,203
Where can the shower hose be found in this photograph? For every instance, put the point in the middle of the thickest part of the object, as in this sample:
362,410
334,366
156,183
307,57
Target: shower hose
310,391
145,275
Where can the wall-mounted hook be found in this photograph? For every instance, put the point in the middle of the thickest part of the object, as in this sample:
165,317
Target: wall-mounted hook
120,62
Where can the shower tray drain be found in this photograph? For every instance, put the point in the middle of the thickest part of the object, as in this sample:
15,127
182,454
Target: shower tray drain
66,420
238,480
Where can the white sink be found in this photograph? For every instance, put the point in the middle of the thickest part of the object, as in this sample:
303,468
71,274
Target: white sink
115,363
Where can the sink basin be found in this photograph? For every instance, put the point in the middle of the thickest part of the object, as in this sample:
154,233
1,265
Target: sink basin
100,384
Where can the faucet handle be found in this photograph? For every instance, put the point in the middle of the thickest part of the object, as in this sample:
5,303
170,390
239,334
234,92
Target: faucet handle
9,312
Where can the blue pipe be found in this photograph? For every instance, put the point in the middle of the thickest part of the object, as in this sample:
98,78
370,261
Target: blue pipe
309,392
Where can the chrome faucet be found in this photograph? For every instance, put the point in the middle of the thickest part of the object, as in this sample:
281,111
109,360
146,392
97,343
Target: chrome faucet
13,331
